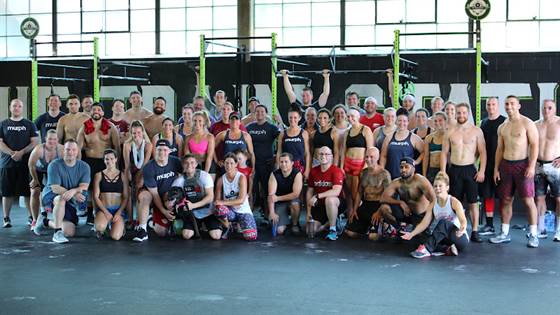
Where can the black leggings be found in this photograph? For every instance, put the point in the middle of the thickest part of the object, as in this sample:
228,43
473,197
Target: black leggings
443,236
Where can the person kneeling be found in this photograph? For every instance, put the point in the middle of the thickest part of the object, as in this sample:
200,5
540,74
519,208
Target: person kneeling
198,188
284,188
232,204
110,193
447,223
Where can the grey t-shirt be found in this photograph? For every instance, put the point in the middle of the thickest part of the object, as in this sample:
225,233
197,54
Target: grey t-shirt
69,177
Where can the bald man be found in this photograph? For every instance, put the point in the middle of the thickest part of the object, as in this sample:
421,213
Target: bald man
137,111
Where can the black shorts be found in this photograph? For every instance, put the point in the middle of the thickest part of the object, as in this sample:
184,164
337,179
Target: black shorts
262,175
42,177
95,166
487,189
462,182
431,174
14,181
398,213
365,211
213,167
211,223
319,211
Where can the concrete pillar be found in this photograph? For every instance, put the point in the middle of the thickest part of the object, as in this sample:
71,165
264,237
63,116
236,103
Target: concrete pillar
245,24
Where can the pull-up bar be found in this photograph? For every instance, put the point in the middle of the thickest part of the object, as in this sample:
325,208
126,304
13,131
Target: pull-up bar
333,46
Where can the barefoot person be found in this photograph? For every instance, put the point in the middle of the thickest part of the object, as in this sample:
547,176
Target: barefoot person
136,111
110,193
516,158
464,144
69,124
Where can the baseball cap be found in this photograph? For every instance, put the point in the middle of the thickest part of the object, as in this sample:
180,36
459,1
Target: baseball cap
163,142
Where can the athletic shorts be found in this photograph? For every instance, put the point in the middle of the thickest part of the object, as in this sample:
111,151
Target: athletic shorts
512,179
398,213
14,181
431,174
353,167
70,209
547,176
462,182
211,223
114,209
282,209
159,218
487,189
365,212
95,166
300,165
319,211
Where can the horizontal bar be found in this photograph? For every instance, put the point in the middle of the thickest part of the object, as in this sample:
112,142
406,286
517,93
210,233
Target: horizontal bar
439,49
124,64
61,79
358,71
437,33
236,38
292,62
64,56
291,76
62,66
408,61
408,76
333,46
114,77
66,42
223,45
237,53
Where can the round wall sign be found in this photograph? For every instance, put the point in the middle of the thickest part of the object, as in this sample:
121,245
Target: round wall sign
29,28
477,9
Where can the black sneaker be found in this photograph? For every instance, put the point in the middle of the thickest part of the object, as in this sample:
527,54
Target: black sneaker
29,220
141,235
475,237
486,230
7,222
90,219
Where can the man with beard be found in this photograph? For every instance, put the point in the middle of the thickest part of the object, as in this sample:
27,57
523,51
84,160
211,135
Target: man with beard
153,122
97,135
87,102
516,158
465,142
49,120
307,93
137,111
406,199
371,117
69,125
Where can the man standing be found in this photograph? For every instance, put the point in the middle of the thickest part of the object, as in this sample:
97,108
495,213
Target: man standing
137,111
119,120
158,177
516,158
307,94
465,142
371,118
97,135
487,188
154,121
373,181
223,123
69,125
87,102
263,134
49,120
547,175
324,194
66,191
18,137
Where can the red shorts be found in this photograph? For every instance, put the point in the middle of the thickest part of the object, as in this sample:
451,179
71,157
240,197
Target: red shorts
353,167
512,178
300,165
160,219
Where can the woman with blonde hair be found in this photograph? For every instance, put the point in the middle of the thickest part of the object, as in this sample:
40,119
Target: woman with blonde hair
200,143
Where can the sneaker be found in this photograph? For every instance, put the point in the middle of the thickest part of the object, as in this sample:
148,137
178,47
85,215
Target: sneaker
557,236
475,237
141,235
420,252
533,241
540,235
7,222
332,236
29,220
486,230
58,237
98,235
452,251
501,238
39,226
90,219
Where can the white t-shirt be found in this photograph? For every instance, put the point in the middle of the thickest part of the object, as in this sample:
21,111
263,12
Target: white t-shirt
205,180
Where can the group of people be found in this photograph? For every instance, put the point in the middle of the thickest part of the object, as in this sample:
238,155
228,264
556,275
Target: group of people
403,174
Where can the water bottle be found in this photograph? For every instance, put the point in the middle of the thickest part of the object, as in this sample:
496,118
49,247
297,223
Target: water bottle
274,229
311,228
549,221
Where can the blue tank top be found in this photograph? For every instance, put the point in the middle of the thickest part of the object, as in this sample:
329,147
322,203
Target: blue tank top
294,145
231,145
380,138
42,164
174,150
396,151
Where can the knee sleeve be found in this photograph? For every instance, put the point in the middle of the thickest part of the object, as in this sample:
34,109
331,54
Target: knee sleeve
250,234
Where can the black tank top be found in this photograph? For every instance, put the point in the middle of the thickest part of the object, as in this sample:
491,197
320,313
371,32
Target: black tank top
284,184
111,185
323,139
357,141
174,150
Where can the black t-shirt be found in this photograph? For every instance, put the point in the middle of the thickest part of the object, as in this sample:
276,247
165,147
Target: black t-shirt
263,137
284,185
161,177
46,122
16,135
303,108
490,131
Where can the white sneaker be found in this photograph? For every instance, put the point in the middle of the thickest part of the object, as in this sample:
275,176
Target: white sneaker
557,236
39,226
58,237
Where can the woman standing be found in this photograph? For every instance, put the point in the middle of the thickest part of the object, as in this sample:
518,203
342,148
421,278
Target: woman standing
341,125
432,147
295,141
325,136
234,139
379,135
200,143
168,133
185,125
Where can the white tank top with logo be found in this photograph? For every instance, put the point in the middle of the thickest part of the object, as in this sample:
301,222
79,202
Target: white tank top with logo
231,192
444,213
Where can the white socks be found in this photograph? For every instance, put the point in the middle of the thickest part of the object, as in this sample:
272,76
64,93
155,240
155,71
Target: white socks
533,230
505,228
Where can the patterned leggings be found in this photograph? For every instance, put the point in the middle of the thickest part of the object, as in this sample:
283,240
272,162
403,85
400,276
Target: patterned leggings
246,221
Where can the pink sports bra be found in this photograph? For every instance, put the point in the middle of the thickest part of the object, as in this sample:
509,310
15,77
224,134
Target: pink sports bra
198,147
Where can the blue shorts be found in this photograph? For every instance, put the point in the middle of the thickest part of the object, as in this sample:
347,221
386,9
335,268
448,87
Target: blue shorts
70,210
114,209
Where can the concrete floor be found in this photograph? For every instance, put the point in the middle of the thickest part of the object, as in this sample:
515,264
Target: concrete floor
286,275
